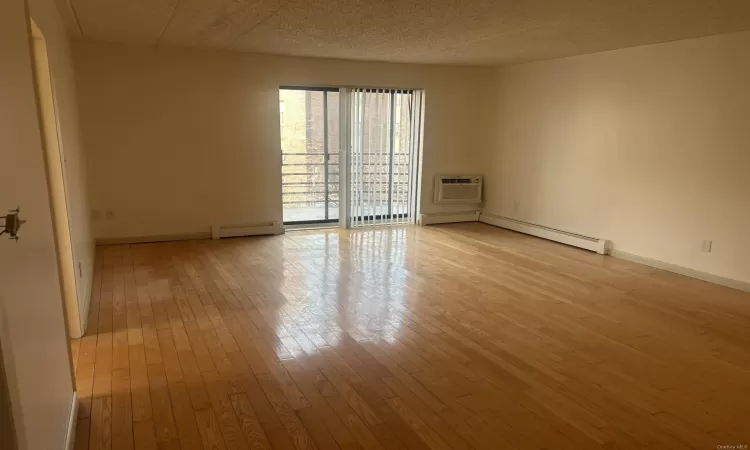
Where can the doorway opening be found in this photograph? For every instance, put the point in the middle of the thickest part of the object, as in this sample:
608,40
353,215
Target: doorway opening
309,155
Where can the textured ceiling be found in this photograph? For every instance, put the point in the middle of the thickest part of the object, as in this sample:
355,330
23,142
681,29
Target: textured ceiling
420,31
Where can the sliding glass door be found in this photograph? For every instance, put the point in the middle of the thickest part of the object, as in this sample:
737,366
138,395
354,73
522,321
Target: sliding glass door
384,141
310,154
375,180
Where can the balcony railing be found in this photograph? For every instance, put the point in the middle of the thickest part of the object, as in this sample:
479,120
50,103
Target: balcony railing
309,184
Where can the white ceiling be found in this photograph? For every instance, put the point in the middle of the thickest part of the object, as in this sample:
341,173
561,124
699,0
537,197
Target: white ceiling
419,31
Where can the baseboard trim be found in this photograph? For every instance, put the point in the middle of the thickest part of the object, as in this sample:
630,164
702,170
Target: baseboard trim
216,232
437,218
153,238
258,229
565,237
681,270
72,420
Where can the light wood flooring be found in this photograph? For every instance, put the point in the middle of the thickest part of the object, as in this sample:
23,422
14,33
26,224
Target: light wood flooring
446,337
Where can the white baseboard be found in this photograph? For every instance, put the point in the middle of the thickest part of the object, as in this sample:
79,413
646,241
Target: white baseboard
259,229
432,219
217,232
565,237
155,238
72,421
704,276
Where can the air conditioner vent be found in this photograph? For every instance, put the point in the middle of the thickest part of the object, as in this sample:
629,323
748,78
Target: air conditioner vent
458,189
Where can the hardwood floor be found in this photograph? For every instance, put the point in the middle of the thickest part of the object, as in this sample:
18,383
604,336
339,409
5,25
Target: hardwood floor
449,337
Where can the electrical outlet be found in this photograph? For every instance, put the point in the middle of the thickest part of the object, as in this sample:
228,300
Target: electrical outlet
706,246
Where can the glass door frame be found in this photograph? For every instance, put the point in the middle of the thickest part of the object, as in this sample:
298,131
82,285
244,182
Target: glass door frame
326,159
345,142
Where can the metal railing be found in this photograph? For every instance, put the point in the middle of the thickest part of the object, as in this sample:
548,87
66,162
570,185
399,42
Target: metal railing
309,183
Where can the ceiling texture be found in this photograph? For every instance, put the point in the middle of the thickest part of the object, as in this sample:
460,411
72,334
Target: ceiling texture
470,32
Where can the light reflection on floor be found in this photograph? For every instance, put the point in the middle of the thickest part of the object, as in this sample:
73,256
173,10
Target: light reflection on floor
356,295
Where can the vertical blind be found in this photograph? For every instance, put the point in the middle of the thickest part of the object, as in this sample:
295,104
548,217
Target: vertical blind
385,137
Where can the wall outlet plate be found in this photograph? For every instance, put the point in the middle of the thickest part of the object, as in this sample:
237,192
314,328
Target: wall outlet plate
706,246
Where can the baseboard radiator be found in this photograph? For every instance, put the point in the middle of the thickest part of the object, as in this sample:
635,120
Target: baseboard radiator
565,237
433,219
224,231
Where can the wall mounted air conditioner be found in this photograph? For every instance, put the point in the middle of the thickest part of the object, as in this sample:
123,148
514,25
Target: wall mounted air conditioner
458,189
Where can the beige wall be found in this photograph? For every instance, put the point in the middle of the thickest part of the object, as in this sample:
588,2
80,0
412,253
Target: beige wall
47,18
178,140
648,147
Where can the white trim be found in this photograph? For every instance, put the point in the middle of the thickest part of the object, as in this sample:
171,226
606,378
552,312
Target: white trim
593,244
155,238
222,231
72,420
345,142
432,219
704,276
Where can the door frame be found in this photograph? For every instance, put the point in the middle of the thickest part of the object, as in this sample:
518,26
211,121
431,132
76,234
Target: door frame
326,222
54,162
344,152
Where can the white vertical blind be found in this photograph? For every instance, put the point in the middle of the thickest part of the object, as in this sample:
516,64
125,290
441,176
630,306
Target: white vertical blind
384,141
